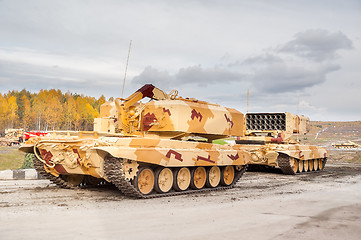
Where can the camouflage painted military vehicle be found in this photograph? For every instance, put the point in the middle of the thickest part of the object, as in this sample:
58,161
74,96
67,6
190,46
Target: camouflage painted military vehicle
269,139
159,148
347,145
12,137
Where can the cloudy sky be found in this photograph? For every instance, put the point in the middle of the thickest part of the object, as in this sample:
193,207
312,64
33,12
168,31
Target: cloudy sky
302,57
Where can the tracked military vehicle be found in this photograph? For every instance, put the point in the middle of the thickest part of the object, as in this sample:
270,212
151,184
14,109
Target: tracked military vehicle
159,148
271,138
346,145
12,137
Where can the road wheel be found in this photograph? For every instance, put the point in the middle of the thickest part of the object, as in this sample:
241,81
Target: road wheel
144,181
301,166
311,165
319,167
182,179
227,176
164,180
198,177
213,176
306,166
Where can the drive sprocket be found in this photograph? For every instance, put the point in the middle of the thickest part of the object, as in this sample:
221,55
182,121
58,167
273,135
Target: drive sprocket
130,169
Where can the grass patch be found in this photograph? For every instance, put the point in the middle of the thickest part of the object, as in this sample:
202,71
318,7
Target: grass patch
10,158
219,141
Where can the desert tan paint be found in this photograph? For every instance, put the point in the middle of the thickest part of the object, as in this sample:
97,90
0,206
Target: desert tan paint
297,151
193,117
150,133
146,133
267,154
85,156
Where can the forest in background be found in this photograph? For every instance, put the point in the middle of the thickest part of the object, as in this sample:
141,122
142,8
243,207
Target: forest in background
48,110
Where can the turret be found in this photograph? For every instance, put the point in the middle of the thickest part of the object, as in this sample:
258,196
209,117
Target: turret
274,127
168,116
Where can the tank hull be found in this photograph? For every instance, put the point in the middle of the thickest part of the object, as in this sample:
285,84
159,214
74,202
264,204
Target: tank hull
290,158
269,138
113,158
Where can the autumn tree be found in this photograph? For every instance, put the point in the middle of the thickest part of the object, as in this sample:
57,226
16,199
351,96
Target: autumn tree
96,103
86,113
29,116
12,109
39,106
53,110
3,111
48,110
70,113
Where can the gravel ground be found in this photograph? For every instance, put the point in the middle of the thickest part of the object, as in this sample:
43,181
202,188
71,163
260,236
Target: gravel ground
325,205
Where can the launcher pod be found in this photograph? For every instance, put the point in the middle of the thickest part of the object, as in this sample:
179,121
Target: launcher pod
273,140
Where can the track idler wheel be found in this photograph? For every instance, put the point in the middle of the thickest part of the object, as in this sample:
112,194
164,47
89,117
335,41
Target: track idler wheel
198,177
163,180
182,179
227,176
144,181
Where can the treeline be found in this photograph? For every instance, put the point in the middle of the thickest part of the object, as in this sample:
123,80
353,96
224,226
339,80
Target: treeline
48,110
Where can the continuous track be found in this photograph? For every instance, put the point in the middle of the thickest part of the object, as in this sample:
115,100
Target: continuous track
284,162
39,167
113,170
60,181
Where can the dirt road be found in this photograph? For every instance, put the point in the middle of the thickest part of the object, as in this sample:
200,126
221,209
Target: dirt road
319,206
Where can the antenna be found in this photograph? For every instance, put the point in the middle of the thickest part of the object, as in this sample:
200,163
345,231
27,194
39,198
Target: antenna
126,68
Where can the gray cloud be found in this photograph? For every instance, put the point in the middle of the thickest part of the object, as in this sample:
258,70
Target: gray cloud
317,44
88,42
16,76
154,76
291,67
265,59
284,77
205,76
298,64
191,75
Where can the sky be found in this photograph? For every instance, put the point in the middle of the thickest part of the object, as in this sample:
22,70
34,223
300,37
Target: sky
302,57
